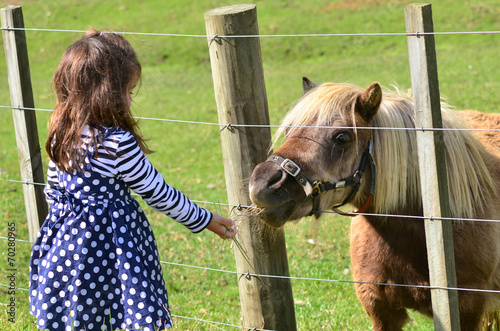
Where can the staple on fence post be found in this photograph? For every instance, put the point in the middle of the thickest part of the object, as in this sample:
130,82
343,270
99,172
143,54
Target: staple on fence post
432,164
21,95
241,99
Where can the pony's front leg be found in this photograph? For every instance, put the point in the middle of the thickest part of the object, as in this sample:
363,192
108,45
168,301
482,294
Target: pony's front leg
472,306
384,316
373,261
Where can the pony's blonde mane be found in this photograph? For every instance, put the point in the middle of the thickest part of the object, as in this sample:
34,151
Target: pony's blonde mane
395,151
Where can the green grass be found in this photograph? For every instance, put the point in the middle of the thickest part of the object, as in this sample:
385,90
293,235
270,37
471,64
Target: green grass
177,84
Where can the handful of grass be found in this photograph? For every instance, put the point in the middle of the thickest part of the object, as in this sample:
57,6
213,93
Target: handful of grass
243,252
246,257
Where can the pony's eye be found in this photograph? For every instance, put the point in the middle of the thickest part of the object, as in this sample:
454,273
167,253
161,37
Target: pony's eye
343,138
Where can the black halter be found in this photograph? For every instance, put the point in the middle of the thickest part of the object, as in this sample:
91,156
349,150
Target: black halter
315,188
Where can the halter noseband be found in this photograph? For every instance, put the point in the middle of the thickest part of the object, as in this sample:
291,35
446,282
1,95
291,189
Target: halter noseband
313,189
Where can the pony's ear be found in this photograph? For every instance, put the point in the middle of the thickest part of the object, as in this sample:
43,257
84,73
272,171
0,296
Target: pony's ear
307,84
368,102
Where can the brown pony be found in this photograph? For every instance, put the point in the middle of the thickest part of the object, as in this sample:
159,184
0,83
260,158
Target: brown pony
340,150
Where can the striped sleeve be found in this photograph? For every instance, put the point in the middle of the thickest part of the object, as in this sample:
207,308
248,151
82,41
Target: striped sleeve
52,183
136,170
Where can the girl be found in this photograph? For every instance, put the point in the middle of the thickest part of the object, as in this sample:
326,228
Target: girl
95,264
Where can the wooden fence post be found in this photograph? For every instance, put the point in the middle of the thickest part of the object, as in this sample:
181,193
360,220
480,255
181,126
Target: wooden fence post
432,163
241,99
21,95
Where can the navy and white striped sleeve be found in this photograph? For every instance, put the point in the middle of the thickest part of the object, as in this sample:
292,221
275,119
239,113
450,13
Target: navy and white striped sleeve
136,170
52,183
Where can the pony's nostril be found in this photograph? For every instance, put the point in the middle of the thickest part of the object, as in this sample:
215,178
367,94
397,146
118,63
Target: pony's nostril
275,179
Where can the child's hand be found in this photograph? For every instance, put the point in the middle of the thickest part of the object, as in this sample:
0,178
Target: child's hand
221,226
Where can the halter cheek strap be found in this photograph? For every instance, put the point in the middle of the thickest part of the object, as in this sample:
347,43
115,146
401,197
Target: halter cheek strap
314,189
367,157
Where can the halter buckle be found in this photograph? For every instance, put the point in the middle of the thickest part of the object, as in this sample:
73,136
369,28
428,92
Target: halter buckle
340,184
317,187
290,167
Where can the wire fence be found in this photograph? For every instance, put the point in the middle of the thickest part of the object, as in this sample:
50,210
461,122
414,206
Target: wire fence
213,203
173,315
249,275
229,125
305,35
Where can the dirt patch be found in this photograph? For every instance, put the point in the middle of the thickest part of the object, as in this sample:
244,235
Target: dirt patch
356,5
6,3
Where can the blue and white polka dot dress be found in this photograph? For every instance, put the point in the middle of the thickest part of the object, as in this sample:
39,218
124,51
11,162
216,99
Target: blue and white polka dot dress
95,264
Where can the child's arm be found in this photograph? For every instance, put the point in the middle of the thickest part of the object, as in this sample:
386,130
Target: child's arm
136,170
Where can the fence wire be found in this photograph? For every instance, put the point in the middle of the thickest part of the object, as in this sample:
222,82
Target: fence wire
239,206
230,125
299,35
249,275
177,316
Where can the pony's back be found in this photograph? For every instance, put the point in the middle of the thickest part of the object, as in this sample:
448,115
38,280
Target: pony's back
485,122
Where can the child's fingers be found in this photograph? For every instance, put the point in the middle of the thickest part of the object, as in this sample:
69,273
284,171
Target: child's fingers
225,232
222,227
229,233
222,220
227,222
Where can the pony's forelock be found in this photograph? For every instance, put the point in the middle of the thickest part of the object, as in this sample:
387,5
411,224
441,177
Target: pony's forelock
318,106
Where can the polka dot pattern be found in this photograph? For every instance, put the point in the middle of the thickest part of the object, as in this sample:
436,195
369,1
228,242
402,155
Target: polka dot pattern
95,263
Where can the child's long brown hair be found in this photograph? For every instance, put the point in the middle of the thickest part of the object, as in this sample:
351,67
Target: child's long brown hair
92,84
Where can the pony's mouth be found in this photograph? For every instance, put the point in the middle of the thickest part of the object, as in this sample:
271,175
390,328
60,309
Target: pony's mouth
276,216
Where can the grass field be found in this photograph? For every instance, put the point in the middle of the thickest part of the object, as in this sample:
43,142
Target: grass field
177,84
